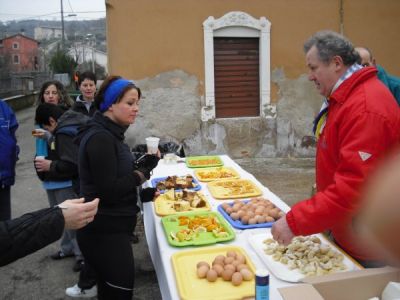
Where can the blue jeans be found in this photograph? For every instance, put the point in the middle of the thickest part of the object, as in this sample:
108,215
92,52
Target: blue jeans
69,245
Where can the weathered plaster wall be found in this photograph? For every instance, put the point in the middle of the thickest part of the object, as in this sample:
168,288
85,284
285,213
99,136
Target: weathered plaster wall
160,44
171,108
298,103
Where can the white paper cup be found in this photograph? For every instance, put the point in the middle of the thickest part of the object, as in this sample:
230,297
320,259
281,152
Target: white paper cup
152,144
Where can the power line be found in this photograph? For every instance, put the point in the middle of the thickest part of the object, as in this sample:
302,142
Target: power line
54,13
69,3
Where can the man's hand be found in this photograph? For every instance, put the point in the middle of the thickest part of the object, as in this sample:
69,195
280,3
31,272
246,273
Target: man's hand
78,214
281,232
42,165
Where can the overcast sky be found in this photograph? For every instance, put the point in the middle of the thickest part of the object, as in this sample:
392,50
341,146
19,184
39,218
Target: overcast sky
51,9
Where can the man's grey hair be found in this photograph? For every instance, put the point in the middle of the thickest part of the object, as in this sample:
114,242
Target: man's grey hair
330,44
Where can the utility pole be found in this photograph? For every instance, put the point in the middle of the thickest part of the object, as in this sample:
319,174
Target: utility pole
62,26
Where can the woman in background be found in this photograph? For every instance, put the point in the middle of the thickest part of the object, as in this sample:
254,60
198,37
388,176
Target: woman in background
87,86
54,92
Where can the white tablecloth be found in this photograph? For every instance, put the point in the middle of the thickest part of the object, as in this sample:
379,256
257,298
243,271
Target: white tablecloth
161,251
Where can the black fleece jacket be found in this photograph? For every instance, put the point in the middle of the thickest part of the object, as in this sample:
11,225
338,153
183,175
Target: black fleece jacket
106,167
63,151
29,233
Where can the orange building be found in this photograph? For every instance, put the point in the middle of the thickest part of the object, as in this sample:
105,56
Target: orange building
229,76
20,53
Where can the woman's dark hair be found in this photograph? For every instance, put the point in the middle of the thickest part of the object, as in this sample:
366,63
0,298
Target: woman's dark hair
87,75
99,98
64,97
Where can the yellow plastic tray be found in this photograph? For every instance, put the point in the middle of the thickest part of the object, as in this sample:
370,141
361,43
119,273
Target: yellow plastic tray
203,161
233,188
190,287
165,207
211,174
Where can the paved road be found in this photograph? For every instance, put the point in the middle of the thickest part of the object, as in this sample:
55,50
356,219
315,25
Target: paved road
38,277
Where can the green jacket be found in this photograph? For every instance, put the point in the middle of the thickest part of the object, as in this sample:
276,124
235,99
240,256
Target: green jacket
392,82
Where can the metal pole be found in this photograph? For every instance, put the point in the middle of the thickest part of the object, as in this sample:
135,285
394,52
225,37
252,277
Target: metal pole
62,26
93,59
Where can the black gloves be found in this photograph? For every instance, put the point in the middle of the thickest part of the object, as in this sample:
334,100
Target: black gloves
147,194
146,164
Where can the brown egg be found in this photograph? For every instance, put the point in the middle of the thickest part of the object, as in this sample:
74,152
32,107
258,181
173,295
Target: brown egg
212,275
241,258
231,253
236,207
237,202
219,259
250,214
241,213
229,210
218,262
252,221
247,274
240,267
269,219
259,210
228,260
235,263
202,263
202,271
230,267
225,206
261,219
235,216
274,213
237,278
245,219
227,275
218,268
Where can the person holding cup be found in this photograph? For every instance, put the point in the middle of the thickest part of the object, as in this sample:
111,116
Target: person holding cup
107,169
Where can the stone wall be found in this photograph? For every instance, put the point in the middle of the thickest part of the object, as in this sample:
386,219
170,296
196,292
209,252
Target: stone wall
21,101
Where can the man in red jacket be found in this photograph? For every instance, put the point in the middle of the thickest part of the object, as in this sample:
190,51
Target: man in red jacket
358,124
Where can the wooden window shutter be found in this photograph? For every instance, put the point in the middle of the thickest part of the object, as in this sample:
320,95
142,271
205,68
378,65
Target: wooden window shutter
236,76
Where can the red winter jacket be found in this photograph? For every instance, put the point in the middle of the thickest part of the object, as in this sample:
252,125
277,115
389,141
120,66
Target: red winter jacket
363,124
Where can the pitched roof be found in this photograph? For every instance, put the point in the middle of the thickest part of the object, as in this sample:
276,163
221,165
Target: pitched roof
24,36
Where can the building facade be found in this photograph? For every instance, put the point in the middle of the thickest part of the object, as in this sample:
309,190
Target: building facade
47,33
229,76
19,53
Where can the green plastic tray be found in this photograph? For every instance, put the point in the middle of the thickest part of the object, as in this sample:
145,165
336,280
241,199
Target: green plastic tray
171,224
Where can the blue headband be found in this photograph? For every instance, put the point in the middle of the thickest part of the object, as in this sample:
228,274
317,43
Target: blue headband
112,93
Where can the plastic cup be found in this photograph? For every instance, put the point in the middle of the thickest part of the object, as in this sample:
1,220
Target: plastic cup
152,144
170,158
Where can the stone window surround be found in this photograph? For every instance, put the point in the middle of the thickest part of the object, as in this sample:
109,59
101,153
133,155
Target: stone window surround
236,24
15,45
16,59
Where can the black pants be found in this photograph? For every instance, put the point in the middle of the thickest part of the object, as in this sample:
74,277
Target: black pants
5,203
105,244
87,277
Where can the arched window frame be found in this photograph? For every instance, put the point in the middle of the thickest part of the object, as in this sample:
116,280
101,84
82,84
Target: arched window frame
236,24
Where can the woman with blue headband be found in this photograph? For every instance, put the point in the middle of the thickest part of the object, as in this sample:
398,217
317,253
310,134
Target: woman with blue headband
107,170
